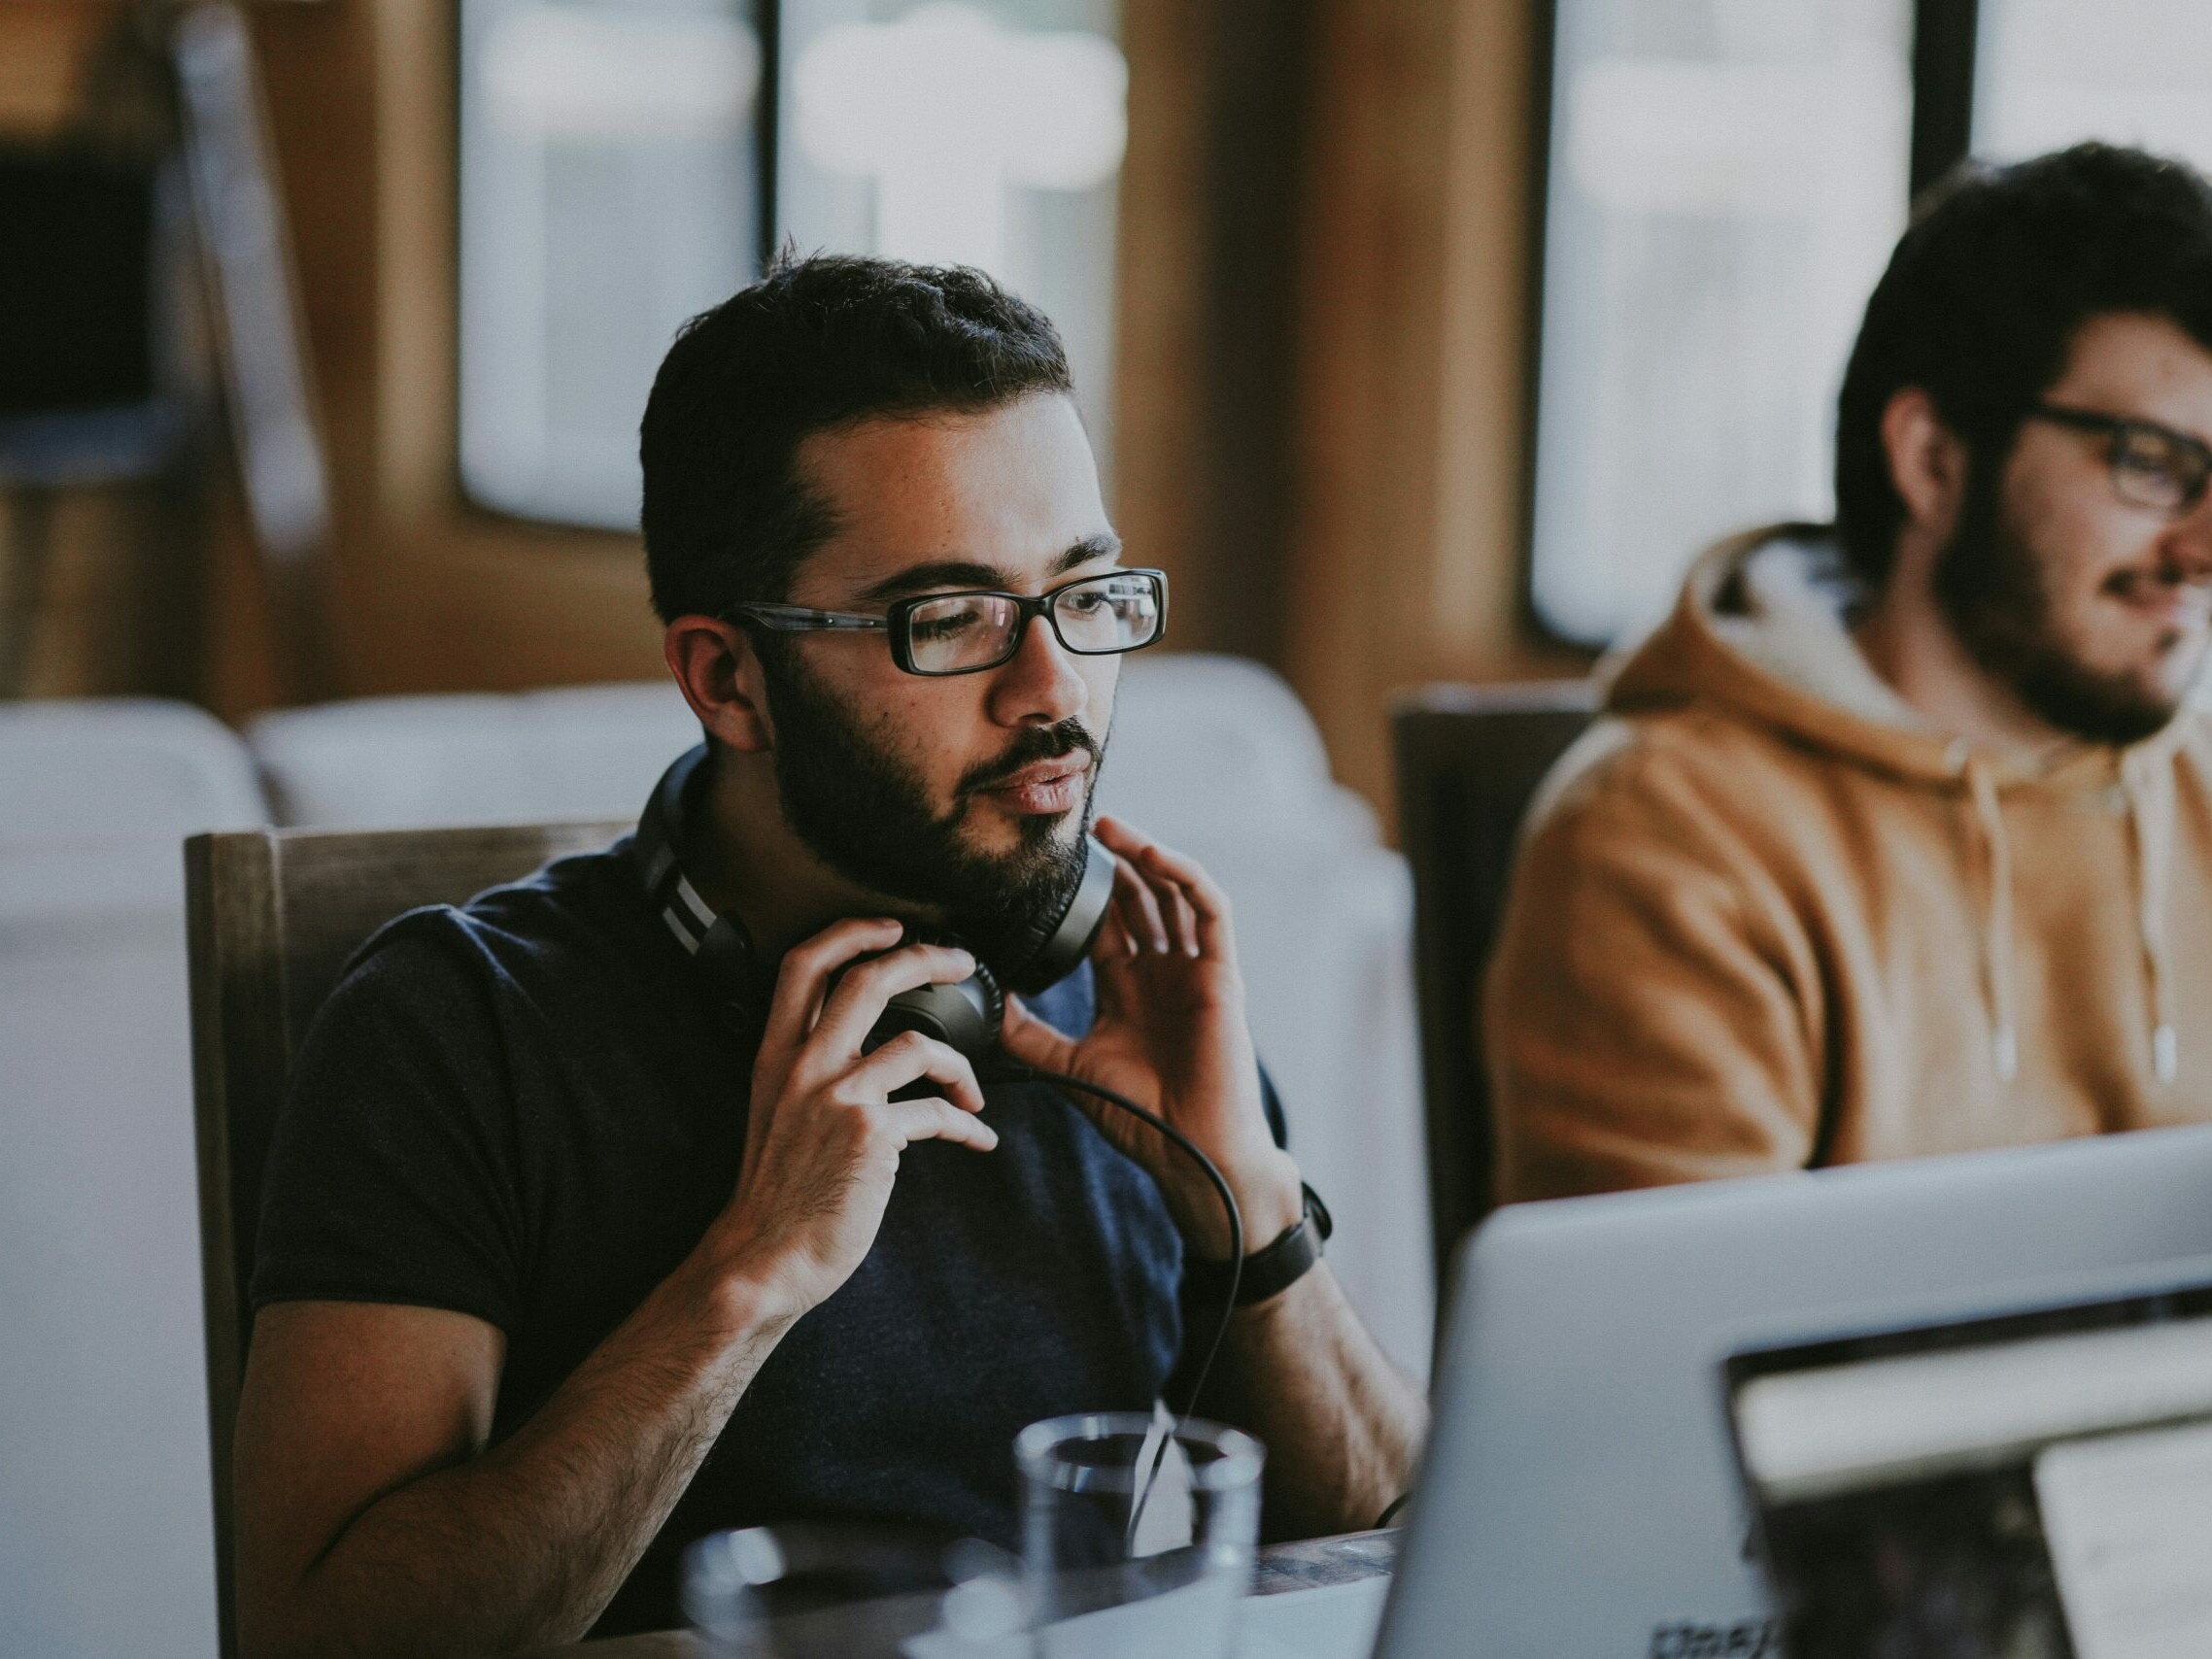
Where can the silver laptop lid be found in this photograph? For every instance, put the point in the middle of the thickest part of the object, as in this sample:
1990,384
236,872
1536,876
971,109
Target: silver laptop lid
1577,1498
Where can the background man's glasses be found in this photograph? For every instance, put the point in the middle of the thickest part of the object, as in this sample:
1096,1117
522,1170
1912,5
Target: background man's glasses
963,633
2151,465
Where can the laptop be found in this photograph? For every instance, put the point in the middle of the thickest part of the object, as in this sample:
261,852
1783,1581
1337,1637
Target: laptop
1578,1499
2031,1484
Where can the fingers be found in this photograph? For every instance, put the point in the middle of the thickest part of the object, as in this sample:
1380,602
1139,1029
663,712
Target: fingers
1033,1042
803,980
1193,909
857,1001
933,1119
910,1056
1181,919
1192,886
1138,907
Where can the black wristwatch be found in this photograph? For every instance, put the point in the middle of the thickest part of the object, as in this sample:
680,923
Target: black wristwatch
1269,1271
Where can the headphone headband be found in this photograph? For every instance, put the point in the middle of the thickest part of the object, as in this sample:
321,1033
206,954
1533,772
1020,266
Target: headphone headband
718,943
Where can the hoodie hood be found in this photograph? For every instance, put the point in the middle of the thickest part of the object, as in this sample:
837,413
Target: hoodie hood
1763,628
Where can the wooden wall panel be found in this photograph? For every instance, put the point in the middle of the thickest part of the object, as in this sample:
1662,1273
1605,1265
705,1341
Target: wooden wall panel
1363,459
433,593
1413,336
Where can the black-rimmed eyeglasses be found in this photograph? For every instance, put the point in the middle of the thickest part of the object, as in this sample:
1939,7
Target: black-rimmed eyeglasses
963,634
2151,465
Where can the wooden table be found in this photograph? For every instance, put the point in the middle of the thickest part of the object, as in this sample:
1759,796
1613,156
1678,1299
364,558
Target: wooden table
1303,1566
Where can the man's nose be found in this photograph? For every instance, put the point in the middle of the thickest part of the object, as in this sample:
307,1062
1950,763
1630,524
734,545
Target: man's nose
1038,685
2187,549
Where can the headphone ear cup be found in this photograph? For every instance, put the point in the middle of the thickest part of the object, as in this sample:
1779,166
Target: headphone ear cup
966,1016
994,1009
1059,949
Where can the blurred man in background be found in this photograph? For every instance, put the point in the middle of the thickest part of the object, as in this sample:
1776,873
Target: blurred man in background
1898,840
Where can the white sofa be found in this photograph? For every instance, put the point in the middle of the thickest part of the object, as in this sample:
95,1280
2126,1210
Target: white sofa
106,1537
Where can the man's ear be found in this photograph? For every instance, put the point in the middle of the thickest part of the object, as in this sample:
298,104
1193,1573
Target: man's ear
720,672
1927,462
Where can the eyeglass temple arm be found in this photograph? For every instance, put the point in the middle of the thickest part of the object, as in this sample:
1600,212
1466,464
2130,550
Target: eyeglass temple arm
798,618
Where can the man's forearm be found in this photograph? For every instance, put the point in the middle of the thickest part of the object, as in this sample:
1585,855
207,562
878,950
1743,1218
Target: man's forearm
526,1544
1341,1423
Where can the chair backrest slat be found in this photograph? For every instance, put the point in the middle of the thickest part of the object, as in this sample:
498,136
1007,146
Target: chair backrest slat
272,916
1468,759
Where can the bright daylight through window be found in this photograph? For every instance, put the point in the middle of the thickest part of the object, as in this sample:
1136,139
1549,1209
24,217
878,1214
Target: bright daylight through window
953,133
611,188
2049,72
1726,180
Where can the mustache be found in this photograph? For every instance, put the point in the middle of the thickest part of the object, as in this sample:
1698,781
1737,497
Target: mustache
1036,743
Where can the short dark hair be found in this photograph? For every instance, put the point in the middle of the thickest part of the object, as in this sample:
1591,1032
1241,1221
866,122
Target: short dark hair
1992,282
817,343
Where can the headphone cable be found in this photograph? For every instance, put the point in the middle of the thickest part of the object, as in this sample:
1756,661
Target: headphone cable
1212,1173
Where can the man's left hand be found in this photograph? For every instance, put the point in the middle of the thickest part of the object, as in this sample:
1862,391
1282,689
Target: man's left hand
1170,1033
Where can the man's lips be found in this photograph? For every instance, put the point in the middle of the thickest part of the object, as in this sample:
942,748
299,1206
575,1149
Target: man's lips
1043,787
2180,604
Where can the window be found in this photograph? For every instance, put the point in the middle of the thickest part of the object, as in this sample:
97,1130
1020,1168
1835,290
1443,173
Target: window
1727,178
2051,72
987,134
609,189
612,165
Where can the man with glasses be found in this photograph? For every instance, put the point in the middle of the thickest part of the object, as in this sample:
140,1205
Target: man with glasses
573,1252
1897,838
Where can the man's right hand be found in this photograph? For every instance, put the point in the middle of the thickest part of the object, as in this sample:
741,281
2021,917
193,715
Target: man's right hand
364,1432
823,1138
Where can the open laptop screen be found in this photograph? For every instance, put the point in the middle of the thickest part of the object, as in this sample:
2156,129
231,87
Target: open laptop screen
2034,1486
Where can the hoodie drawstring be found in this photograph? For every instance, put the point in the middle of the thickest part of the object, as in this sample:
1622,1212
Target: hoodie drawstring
2149,781
1996,921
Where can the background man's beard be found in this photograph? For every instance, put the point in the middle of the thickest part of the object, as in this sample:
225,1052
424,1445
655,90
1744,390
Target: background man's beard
867,817
1992,590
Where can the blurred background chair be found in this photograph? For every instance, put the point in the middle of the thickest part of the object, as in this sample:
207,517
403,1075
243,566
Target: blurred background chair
105,1539
1469,759
274,915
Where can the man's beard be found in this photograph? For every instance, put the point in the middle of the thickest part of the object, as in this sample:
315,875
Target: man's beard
867,815
1992,589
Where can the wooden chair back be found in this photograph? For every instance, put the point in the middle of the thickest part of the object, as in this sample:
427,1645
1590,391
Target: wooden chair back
1467,759
272,917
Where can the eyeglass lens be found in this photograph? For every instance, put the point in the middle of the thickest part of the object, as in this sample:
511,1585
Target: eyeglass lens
976,631
2151,470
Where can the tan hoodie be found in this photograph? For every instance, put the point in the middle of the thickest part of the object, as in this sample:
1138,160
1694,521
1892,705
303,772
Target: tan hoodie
1766,917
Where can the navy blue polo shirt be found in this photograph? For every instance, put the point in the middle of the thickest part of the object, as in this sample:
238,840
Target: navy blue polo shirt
527,1109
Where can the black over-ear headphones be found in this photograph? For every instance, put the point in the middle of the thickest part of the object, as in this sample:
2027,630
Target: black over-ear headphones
967,1015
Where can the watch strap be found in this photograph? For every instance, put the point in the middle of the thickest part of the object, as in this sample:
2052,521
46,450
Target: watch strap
1268,1271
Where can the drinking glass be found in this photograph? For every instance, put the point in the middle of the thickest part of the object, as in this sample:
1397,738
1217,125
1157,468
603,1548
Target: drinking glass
846,1592
1137,1534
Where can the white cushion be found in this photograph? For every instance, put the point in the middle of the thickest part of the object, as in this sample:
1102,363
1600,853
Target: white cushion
534,756
1201,739
119,768
106,1533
